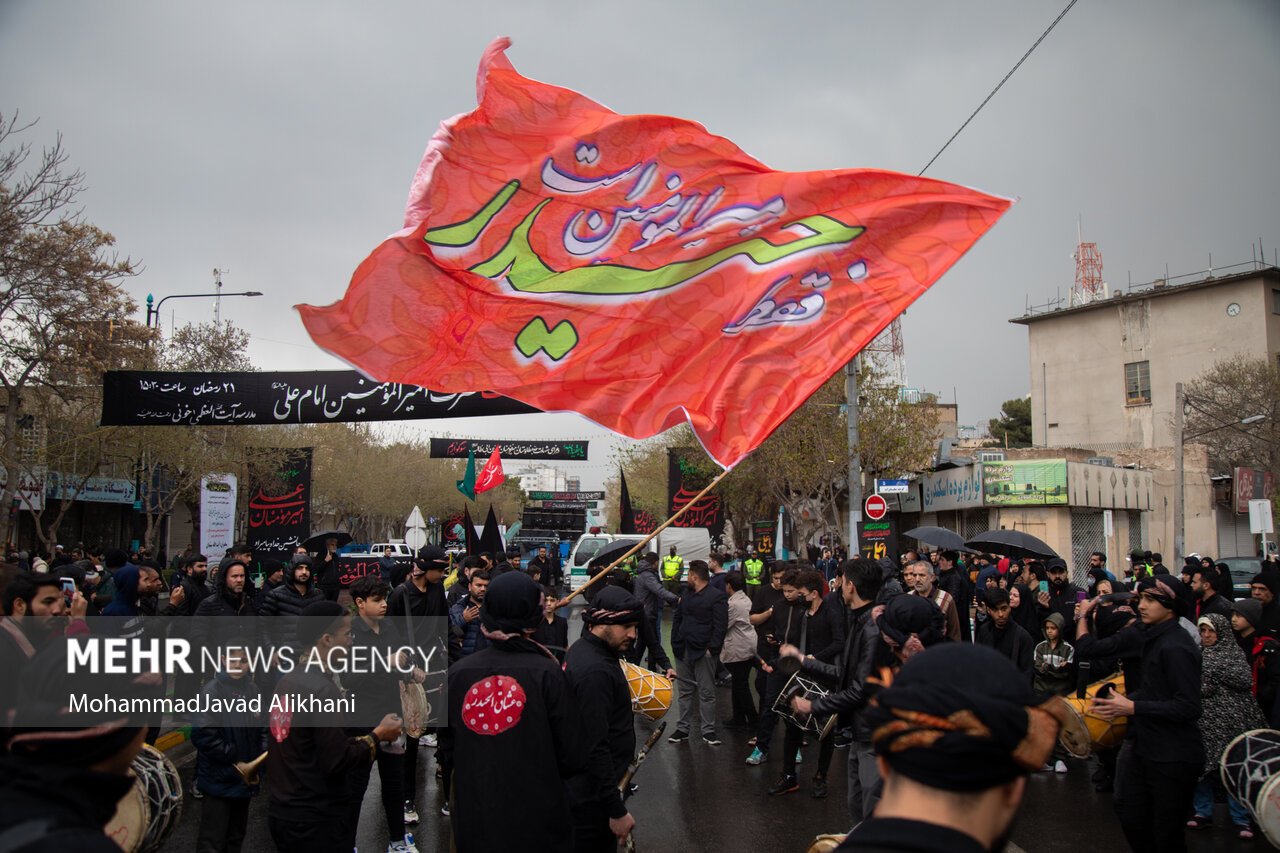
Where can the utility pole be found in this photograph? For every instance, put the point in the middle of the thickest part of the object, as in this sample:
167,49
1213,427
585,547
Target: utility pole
855,463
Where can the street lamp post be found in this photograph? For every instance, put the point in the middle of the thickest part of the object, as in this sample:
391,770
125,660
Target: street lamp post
1179,475
154,311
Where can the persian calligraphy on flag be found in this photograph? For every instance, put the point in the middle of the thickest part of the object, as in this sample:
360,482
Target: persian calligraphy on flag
636,268
491,476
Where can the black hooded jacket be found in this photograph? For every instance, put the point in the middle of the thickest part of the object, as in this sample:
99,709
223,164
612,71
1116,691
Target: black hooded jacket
218,617
604,701
285,604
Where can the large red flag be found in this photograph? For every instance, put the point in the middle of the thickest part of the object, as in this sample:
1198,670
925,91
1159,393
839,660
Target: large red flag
637,269
491,476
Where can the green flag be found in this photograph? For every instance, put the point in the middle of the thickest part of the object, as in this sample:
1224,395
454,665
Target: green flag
467,485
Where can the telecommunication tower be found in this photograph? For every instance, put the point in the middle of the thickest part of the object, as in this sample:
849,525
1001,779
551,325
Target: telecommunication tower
887,349
1089,285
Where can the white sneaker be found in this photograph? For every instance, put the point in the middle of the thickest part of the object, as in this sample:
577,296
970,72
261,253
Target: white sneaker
1059,767
404,846
410,812
427,740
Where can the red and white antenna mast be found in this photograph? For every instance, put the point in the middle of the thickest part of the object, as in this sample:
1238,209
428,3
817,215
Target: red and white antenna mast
1089,286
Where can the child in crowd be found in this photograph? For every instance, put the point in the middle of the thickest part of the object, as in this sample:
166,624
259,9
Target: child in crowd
222,740
1055,672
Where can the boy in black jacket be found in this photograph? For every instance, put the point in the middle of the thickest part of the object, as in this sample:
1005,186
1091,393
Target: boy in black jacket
222,740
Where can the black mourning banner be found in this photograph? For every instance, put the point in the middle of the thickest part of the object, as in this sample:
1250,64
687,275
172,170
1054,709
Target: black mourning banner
461,448
280,512
684,482
158,397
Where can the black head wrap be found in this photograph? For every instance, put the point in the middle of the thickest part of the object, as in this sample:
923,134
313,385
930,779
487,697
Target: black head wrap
613,605
512,604
911,614
960,717
1167,590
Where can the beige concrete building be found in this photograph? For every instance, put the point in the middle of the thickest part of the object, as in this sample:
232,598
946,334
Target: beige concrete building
1103,377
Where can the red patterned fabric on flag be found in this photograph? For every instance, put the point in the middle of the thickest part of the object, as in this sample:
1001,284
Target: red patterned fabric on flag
637,269
491,475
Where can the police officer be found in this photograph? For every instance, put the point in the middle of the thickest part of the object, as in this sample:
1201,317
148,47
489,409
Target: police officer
672,571
753,568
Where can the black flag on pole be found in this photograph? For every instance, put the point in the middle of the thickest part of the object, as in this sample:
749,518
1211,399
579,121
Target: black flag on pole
628,522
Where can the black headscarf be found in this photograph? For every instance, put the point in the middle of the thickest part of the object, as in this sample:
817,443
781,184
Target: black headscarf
912,614
960,717
1025,614
512,604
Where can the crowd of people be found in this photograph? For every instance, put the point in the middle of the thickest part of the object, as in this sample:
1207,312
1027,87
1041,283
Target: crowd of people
823,650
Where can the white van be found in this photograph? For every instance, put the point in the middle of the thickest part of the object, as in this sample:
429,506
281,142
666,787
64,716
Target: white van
587,546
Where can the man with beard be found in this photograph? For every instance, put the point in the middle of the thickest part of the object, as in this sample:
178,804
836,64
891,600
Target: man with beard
419,608
286,602
920,578
1163,754
464,617
1061,597
35,611
600,818
956,582
514,732
215,623
860,583
952,786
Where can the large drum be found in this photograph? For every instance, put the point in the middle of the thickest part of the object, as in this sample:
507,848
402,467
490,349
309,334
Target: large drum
1084,731
147,815
798,685
650,692
1250,768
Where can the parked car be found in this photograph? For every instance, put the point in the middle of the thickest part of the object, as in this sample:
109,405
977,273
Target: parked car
1243,570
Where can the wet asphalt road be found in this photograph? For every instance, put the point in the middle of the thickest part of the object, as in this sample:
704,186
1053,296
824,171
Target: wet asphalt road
698,798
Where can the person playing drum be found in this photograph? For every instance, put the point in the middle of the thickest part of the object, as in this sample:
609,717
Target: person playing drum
600,817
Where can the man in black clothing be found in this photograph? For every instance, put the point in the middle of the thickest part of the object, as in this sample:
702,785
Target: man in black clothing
779,624
377,694
1163,756
327,573
1004,635
697,635
954,787
1263,587
1061,597
309,755
60,781
956,582
860,583
1206,595
287,601
600,818
515,733
822,636
418,607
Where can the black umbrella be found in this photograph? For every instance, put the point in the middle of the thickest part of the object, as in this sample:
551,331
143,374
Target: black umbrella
1011,543
612,551
940,537
316,541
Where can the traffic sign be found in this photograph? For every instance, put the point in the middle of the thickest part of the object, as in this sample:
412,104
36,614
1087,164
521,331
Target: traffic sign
876,507
891,487
415,538
415,519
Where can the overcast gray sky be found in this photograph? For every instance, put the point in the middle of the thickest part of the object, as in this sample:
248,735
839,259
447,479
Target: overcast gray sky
276,140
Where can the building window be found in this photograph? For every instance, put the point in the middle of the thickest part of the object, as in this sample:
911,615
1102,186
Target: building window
1275,302
1137,383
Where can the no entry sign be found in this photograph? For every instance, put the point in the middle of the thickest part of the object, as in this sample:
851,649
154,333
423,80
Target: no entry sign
876,507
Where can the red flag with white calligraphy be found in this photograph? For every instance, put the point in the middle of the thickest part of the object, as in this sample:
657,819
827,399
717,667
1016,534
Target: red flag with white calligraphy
637,269
490,475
